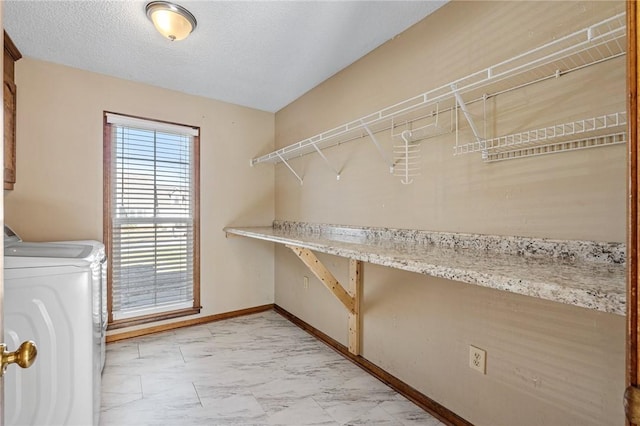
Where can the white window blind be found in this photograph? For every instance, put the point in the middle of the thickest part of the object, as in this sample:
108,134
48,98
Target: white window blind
152,217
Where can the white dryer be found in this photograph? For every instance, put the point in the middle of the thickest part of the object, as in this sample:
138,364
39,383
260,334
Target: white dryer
53,296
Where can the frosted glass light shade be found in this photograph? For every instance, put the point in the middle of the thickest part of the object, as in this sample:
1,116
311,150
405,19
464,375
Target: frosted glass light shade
171,20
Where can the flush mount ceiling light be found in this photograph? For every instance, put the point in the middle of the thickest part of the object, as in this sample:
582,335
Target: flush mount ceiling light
171,20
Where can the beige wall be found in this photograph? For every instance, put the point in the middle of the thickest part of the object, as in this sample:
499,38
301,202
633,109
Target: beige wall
548,364
579,195
58,194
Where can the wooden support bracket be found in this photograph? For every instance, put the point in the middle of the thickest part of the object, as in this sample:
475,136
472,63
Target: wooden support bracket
351,300
324,275
355,320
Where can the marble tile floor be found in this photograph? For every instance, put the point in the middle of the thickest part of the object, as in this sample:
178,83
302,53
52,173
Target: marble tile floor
253,370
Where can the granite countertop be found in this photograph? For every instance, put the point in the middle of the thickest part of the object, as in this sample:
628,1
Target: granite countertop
588,274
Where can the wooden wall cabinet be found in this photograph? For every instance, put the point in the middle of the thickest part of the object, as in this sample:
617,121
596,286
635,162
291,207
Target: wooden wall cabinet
11,55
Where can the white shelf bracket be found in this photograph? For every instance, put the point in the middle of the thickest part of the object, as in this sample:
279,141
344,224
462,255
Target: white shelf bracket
319,151
467,114
386,159
289,167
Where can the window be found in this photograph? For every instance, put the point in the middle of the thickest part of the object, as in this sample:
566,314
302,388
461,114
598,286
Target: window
152,219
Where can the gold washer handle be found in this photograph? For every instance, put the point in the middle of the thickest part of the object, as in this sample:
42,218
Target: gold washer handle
24,356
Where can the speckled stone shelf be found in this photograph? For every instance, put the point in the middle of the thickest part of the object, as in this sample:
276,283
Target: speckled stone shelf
581,273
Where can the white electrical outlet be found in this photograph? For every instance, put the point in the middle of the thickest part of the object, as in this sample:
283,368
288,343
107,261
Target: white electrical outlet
305,282
478,359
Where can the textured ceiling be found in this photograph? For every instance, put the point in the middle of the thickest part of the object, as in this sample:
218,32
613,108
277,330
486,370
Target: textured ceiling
260,54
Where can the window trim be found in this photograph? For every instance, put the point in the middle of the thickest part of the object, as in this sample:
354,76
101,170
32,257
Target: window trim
107,228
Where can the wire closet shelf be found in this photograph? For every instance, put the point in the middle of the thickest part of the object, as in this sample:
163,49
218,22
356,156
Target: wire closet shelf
595,44
607,129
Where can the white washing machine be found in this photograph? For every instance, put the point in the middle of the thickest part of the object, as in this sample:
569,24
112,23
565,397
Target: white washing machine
54,296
